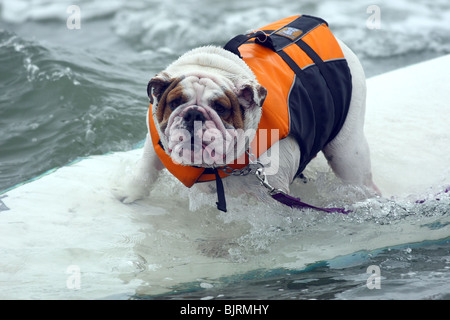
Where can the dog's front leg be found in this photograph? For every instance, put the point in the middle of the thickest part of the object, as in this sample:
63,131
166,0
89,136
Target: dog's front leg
281,162
138,185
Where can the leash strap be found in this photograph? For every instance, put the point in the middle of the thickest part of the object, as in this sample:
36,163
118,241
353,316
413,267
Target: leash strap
288,200
447,190
296,203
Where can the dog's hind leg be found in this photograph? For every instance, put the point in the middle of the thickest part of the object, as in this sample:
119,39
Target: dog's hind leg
348,153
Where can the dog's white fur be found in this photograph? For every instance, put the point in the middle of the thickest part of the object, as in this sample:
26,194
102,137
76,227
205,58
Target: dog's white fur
347,154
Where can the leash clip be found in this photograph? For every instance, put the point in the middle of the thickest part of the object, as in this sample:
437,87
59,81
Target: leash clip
261,176
251,168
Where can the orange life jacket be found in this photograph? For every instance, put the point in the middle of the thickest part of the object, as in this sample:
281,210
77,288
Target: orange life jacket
300,63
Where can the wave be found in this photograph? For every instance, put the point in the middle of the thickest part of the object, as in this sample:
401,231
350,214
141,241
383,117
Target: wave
173,25
55,104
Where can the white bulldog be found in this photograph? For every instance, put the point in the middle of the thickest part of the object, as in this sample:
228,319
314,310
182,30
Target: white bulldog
205,100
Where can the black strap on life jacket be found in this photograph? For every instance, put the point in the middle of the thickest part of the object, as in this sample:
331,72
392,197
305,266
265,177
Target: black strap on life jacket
221,202
279,39
234,44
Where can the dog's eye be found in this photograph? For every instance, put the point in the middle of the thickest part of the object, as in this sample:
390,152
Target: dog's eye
220,109
175,103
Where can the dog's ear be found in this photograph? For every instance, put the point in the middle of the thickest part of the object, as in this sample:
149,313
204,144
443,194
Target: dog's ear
251,94
157,85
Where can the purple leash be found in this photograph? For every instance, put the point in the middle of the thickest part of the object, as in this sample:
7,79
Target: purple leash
298,204
257,168
288,200
436,195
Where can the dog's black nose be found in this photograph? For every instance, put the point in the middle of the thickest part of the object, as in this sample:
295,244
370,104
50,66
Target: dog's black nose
191,117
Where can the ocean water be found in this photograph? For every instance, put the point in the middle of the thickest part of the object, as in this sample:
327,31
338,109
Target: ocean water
67,93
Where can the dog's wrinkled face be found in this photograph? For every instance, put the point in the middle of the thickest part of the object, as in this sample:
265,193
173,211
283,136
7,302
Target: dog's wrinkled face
202,117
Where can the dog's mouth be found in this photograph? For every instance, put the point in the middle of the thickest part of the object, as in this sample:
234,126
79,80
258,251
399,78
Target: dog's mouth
203,147
200,138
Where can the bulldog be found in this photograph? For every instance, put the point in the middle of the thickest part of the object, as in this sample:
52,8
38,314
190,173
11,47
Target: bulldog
208,106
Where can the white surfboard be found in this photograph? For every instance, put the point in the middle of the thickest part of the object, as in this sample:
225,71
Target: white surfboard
64,235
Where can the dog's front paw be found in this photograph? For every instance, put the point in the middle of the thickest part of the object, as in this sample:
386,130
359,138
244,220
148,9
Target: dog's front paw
127,198
131,191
